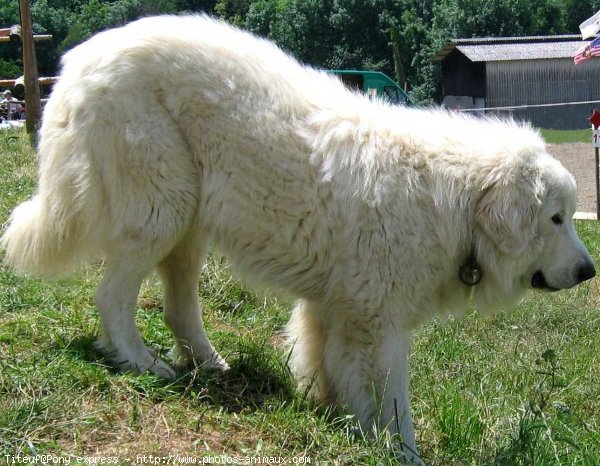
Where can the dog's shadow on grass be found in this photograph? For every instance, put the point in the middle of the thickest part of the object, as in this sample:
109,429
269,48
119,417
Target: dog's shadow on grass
247,385
257,376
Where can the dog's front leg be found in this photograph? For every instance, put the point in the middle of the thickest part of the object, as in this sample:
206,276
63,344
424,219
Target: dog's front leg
367,369
392,384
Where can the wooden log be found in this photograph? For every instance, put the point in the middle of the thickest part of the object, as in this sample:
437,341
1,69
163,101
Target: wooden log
37,37
42,81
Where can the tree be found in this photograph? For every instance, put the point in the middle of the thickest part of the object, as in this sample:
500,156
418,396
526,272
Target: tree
577,11
407,22
302,27
382,35
233,11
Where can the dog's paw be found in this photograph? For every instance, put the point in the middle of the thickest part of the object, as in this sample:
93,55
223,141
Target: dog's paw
410,458
215,362
182,357
162,369
105,346
146,363
137,362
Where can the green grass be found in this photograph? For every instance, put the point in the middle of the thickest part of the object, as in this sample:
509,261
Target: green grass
560,137
514,389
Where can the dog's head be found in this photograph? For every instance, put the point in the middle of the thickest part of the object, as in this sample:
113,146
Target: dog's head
525,233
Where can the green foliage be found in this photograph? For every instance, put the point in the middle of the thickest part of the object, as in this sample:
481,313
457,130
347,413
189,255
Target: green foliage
234,11
10,69
9,13
577,11
300,26
480,18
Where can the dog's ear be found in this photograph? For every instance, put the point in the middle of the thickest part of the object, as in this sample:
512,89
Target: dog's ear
506,213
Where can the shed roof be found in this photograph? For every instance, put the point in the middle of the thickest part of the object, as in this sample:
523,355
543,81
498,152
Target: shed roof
514,48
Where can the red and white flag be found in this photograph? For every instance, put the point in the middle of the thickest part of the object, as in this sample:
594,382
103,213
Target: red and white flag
589,50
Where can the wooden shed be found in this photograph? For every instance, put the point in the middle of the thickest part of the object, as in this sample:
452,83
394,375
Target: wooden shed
533,73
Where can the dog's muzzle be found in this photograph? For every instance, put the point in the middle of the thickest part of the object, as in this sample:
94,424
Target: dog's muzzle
584,272
539,282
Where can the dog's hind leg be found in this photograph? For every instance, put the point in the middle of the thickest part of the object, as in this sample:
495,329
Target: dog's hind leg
116,297
145,192
180,272
306,338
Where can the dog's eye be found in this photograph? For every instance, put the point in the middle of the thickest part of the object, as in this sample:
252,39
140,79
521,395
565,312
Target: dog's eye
557,219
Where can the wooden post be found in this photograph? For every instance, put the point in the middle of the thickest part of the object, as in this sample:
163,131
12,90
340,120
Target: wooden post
597,160
30,70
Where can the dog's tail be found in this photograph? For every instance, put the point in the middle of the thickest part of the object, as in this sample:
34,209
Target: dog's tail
49,235
41,240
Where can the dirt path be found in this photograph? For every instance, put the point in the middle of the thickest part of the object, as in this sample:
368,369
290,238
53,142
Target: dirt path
579,160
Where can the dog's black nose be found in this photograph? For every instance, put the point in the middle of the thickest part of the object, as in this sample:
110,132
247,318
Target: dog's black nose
586,271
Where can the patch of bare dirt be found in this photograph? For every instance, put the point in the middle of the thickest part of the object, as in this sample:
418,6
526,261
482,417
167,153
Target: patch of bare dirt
579,159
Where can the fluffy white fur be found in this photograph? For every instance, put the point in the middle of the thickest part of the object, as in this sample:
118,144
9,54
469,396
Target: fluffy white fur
173,132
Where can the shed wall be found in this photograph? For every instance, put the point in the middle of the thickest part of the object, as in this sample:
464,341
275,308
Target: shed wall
462,77
546,81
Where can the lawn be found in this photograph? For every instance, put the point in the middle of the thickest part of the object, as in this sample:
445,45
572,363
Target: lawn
559,136
519,388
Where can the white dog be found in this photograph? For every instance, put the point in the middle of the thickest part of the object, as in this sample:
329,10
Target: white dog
173,132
